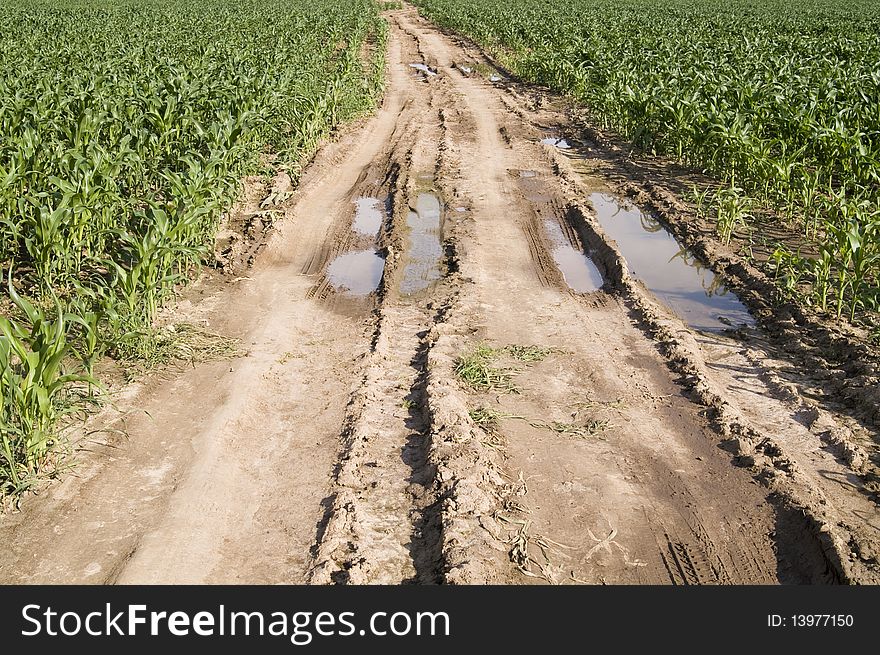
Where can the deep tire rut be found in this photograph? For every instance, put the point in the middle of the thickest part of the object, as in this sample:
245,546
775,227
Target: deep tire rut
377,531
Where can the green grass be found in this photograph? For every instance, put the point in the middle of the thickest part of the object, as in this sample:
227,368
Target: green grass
488,418
583,430
477,368
184,343
478,371
528,354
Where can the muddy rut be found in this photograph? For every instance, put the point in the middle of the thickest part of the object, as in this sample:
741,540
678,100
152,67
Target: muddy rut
614,441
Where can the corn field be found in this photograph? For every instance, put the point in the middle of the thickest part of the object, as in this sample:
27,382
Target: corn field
125,130
780,102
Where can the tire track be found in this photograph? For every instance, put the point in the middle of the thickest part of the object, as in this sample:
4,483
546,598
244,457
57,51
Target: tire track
584,494
383,524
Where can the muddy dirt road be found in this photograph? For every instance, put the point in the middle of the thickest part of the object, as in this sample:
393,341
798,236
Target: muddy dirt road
614,442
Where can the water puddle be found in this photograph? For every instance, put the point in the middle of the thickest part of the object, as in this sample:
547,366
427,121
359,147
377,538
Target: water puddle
672,273
358,272
528,174
579,272
461,210
562,144
425,69
425,250
367,216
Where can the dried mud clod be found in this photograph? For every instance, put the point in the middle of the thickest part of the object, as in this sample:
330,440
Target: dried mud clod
248,226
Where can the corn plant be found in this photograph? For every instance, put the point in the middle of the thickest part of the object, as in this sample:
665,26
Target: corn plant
780,106
731,207
125,131
34,388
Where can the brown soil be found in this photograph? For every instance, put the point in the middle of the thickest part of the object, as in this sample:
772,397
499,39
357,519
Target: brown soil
342,447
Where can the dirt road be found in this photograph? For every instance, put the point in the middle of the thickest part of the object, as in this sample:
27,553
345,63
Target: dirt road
614,444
